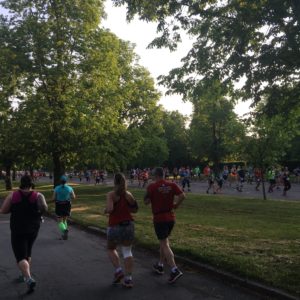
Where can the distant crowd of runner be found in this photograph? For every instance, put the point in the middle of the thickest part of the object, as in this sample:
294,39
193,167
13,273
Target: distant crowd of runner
229,176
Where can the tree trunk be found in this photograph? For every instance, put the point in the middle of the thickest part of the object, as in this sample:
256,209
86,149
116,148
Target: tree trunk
14,174
8,183
58,168
31,172
263,184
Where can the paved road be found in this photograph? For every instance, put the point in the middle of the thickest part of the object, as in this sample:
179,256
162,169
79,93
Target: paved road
248,190
79,269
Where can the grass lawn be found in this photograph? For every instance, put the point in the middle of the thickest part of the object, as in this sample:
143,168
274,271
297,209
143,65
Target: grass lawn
253,238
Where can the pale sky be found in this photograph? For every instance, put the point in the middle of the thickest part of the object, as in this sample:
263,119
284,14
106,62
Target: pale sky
157,61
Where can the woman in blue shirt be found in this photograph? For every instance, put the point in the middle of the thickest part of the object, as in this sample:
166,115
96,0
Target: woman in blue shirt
63,194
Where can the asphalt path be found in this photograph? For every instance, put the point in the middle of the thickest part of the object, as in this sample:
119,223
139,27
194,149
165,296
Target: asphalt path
200,187
79,269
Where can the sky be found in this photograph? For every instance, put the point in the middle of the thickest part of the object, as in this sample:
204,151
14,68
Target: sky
157,61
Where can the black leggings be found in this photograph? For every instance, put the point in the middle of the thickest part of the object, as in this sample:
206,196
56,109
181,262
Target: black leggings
287,186
22,244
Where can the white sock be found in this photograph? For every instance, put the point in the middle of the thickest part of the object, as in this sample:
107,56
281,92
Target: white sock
174,269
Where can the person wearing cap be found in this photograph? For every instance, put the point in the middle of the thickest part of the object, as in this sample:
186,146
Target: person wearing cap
165,197
25,207
63,194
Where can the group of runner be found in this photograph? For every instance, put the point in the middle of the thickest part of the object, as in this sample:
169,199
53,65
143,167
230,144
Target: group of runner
164,197
26,207
229,176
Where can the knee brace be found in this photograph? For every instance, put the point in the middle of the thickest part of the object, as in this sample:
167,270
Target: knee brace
126,251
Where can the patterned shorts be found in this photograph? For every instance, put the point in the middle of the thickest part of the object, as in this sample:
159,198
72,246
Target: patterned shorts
121,232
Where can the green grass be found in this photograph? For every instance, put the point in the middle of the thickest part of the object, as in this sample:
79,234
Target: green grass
253,238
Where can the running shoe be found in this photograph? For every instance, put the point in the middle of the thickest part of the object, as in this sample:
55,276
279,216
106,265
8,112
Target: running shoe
118,277
31,283
174,276
128,283
20,279
65,234
158,269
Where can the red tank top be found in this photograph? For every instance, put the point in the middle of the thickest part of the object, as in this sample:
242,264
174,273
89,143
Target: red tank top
120,213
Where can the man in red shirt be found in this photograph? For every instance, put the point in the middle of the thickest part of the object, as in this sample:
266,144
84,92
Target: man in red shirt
161,194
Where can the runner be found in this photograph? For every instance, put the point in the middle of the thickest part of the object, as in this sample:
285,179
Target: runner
271,177
161,195
175,174
97,178
63,194
26,208
241,178
286,181
225,174
258,176
184,174
120,204
211,181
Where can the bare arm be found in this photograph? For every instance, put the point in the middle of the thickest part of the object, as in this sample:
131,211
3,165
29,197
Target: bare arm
179,200
5,208
73,196
147,198
42,203
132,202
109,203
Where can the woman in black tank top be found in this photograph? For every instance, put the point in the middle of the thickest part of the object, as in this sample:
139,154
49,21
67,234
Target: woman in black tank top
26,208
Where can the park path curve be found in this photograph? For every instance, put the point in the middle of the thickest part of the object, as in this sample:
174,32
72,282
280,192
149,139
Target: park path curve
79,269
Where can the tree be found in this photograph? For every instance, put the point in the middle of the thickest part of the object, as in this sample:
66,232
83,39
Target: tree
253,42
176,136
215,131
267,141
9,82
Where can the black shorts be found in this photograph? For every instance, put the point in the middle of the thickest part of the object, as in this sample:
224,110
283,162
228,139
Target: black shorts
22,244
163,229
63,209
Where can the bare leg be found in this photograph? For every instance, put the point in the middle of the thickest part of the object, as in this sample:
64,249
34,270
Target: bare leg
167,252
128,265
24,266
114,257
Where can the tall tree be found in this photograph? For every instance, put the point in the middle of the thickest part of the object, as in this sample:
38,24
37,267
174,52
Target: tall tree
215,130
268,139
176,136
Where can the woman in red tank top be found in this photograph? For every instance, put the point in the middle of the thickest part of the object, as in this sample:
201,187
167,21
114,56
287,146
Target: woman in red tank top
120,205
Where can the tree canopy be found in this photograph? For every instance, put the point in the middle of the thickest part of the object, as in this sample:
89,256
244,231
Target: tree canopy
254,43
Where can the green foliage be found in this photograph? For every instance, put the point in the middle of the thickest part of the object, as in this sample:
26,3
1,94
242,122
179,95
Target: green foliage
255,42
83,98
176,136
215,132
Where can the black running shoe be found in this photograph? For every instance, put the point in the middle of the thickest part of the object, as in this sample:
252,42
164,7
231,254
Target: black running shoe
118,276
158,269
31,283
174,276
65,234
